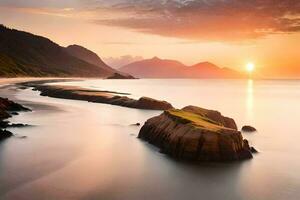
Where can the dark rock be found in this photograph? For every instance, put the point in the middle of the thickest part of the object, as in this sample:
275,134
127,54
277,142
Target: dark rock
99,97
4,124
253,150
7,108
198,134
149,103
14,113
248,128
11,106
17,125
4,114
120,76
5,134
136,124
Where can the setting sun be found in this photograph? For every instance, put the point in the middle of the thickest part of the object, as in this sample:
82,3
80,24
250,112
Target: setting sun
250,67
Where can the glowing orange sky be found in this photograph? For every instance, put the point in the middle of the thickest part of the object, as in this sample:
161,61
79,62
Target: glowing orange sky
229,35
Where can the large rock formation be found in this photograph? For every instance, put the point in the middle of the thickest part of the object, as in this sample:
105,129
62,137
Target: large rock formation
195,133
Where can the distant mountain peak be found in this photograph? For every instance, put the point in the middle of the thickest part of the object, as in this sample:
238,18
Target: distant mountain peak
164,68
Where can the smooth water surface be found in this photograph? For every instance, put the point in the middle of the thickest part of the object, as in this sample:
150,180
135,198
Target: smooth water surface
81,150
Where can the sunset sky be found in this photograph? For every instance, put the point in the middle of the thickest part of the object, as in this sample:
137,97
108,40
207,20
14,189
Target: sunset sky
229,33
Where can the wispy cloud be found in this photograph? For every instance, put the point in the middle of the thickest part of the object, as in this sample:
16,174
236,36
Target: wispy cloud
202,19
196,20
67,8
59,12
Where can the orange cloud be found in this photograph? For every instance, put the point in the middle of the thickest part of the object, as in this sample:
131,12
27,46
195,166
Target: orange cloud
204,20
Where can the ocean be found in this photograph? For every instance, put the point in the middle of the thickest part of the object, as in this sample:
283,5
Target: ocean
81,150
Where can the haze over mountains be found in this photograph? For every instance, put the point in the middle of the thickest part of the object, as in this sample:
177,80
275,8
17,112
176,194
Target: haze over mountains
162,68
25,54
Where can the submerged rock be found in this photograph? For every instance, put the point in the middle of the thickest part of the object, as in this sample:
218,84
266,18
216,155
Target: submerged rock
197,134
248,128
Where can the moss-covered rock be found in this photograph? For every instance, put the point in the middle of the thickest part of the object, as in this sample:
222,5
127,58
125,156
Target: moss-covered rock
195,133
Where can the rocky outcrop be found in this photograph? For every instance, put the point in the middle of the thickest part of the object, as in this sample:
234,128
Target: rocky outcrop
106,97
5,134
248,128
10,106
197,134
120,76
7,108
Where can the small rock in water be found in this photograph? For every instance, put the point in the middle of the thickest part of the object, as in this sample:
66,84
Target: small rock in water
14,113
253,150
248,128
136,124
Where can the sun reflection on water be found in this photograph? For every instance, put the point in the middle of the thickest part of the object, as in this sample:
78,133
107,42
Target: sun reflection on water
249,100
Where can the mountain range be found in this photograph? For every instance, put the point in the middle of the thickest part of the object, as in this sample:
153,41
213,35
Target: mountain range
163,68
25,54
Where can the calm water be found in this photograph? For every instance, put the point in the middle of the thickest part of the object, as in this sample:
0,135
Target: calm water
81,150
